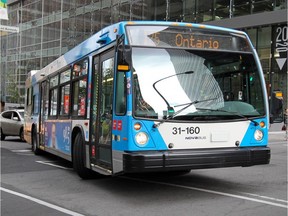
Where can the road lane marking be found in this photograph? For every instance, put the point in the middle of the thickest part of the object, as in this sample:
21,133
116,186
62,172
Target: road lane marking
212,192
25,152
41,202
265,197
21,150
50,163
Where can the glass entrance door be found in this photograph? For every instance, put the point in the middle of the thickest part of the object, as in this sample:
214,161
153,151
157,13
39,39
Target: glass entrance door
44,111
101,113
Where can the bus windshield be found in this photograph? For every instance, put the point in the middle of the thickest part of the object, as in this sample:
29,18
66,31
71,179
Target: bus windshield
195,84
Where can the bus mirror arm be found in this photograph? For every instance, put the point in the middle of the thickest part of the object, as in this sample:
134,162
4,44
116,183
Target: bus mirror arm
124,54
120,40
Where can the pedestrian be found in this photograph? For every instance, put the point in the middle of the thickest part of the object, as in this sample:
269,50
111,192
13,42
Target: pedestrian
285,120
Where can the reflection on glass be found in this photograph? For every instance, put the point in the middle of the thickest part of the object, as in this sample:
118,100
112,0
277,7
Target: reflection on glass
107,100
207,79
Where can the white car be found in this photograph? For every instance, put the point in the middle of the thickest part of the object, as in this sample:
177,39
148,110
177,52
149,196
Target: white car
11,124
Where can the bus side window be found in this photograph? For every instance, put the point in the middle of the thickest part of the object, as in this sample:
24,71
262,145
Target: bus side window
53,102
80,69
79,88
79,97
53,95
29,101
65,99
35,104
121,94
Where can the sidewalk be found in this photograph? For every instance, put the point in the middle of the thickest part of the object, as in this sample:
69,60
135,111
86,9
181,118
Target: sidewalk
276,127
276,133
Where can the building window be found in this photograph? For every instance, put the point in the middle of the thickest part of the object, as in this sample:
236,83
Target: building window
264,47
241,7
262,5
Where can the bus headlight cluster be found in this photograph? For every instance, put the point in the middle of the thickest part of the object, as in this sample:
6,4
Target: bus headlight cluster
258,135
141,138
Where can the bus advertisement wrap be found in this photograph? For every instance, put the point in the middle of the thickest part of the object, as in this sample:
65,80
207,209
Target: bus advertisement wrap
60,136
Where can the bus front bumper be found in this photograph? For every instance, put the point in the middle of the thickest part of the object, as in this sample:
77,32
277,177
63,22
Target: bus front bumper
151,161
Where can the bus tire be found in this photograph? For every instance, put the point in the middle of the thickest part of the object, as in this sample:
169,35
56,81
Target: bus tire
35,148
2,136
79,158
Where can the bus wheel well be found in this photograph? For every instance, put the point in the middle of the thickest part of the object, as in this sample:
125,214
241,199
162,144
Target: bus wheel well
78,155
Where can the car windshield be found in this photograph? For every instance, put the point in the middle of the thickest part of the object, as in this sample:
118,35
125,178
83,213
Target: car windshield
195,85
21,114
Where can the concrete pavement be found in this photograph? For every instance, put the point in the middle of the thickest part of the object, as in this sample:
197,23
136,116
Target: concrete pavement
276,127
276,132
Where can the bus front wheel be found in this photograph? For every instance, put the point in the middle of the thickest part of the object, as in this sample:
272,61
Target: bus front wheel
79,158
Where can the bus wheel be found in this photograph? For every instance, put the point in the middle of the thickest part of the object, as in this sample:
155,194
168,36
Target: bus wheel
79,159
2,136
35,148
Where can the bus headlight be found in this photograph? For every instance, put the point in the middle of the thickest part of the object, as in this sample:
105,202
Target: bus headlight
258,135
141,138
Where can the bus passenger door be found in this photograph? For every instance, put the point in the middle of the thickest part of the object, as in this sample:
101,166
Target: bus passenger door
43,112
101,110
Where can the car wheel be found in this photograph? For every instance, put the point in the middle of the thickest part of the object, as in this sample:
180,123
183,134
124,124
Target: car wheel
2,136
22,135
79,159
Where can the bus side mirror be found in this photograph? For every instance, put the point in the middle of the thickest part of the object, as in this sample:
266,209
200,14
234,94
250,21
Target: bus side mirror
124,54
276,109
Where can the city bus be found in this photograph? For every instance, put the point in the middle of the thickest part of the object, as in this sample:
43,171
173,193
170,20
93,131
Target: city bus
149,96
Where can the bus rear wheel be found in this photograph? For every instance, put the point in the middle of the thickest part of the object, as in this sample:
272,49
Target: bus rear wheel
35,148
79,158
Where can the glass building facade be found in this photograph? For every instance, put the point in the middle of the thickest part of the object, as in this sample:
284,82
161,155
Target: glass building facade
48,29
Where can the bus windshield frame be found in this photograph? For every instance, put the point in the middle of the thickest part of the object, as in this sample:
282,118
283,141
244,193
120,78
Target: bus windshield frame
214,84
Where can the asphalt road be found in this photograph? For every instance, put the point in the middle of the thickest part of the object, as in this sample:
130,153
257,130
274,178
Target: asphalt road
46,185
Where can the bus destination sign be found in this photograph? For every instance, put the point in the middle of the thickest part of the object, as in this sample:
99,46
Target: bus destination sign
189,40
183,37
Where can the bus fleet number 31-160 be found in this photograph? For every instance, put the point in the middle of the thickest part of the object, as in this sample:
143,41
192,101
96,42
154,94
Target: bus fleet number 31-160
186,130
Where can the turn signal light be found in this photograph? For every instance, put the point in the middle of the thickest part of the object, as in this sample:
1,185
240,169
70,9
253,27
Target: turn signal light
137,126
262,124
123,68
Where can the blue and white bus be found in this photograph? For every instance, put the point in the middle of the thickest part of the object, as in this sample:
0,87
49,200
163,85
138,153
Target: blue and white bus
150,96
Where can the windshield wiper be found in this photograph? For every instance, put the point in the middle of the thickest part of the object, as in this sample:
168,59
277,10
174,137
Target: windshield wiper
233,113
170,109
179,111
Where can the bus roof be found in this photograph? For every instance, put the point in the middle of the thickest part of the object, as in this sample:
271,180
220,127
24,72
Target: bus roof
105,37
